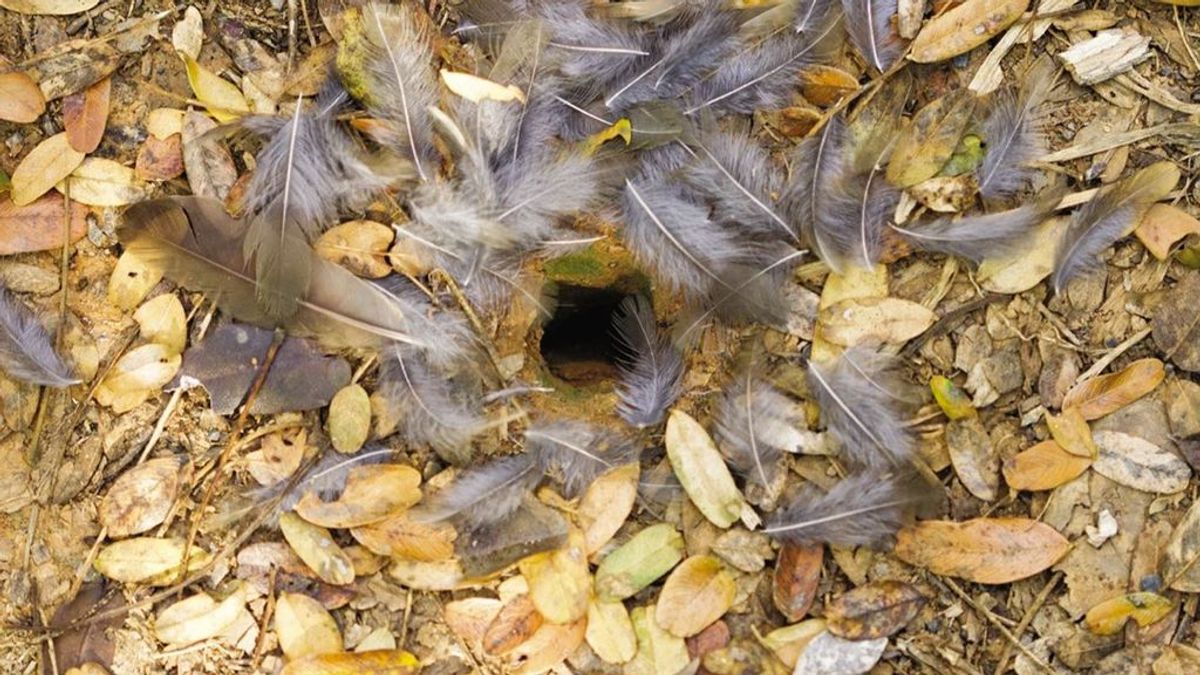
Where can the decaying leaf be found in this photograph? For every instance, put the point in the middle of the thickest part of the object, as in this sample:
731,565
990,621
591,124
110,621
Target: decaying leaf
46,164
983,550
373,492
878,609
131,280
1181,559
314,545
277,457
658,652
304,627
794,582
700,469
953,401
515,623
91,641
831,655
20,99
401,537
559,582
140,498
606,505
1109,617
223,100
789,642
210,168
161,320
1070,430
964,28
873,320
1137,463
974,459
349,418
146,560
140,373
38,226
1162,226
1106,394
360,246
549,646
160,159
1044,466
929,141
470,617
85,115
698,592
389,661
103,182
610,632
199,617
639,562
71,66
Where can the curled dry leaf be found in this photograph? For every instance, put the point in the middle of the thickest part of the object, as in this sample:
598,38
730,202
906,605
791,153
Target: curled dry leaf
85,114
639,562
349,418
20,99
974,458
223,100
1044,466
38,226
146,560
794,582
304,627
515,623
930,140
317,549
700,469
1072,433
277,457
140,498
658,652
389,661
131,280
136,376
476,89
606,505
1109,617
825,85
360,246
1137,463
162,321
160,159
873,320
878,609
559,583
698,592
610,631
199,617
1106,394
48,163
59,7
964,28
372,493
399,536
548,647
829,654
983,550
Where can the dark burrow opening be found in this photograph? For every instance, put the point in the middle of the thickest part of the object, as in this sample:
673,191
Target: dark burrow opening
577,341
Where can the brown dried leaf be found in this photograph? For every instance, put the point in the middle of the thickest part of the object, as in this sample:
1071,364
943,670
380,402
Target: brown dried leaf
304,627
1109,617
140,498
964,28
38,226
1162,226
401,537
878,609
983,550
20,99
515,623
89,641
698,592
1044,466
372,493
209,166
825,85
974,459
1100,396
85,115
49,162
160,159
1072,433
317,549
277,457
72,66
360,246
929,141
794,582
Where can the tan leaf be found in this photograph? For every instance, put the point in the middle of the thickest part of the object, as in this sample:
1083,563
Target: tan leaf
1162,226
789,642
639,562
606,505
103,182
559,582
515,623
439,575
973,457
1044,466
1177,659
831,655
199,618
381,661
160,159
360,246
401,537
700,469
698,592
1028,264
162,123
1137,463
20,99
372,493
85,114
549,646
476,89
60,7
304,627
1176,326
317,549
794,583
983,550
469,618
878,609
163,321
873,320
1181,571
140,498
1109,617
38,226
1072,433
188,34
658,652
825,85
1100,396
349,419
964,28
610,632
131,280
49,162
925,145
146,560
140,373
223,100
277,457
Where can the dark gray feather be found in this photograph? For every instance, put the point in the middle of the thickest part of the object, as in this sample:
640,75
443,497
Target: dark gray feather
26,350
651,366
864,509
576,453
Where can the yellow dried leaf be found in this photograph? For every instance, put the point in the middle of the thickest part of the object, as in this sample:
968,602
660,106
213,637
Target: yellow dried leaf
277,458
317,549
789,642
350,421
49,162
659,652
162,123
951,399
103,182
382,661
145,559
825,85
1106,394
559,582
372,493
964,28
700,469
610,632
621,129
1162,226
476,89
1109,617
162,321
223,100
304,627
925,145
873,320
138,374
1071,431
698,592
1028,264
401,537
639,562
131,280
469,618
606,505
199,618
983,550
360,246
1044,466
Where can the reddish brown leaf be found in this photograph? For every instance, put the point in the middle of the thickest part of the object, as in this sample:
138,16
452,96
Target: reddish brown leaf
516,622
715,637
21,100
160,159
878,609
38,226
797,572
87,642
85,114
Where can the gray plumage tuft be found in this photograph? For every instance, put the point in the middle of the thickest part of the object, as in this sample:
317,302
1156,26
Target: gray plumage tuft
865,509
869,24
863,405
576,453
755,425
982,236
484,494
1014,133
433,408
651,366
26,350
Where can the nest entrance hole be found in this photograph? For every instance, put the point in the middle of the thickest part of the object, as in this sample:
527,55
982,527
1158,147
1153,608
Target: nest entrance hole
577,342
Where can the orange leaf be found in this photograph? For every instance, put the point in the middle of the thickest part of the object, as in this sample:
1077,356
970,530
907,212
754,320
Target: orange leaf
390,661
1162,226
1109,617
373,492
516,622
797,572
21,100
825,85
1072,433
983,550
1045,466
160,158
401,537
85,114
1106,394
38,226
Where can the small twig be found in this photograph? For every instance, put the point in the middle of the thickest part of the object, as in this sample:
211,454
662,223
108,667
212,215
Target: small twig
268,611
1040,600
1112,355
995,621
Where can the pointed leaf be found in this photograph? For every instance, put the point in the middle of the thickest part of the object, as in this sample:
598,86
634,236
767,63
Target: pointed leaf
983,550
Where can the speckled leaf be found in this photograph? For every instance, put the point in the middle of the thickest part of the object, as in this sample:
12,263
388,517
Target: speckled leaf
131,280
875,610
140,498
974,459
304,627
829,654
983,550
1109,617
930,140
1137,463
401,537
794,582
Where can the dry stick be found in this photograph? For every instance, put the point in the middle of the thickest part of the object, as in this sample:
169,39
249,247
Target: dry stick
1112,355
995,621
1040,600
234,436
261,643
